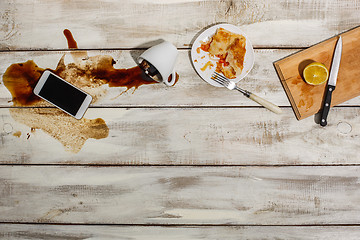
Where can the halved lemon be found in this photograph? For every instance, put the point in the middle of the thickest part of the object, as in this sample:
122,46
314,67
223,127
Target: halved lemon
315,73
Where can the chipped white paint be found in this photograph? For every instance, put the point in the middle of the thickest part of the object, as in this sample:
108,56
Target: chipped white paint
181,135
262,80
344,127
180,195
194,136
205,214
30,24
7,128
281,27
189,91
10,231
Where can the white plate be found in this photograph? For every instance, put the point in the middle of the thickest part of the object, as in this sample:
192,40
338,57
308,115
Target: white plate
200,58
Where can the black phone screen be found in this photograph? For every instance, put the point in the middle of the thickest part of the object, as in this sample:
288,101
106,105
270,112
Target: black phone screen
62,94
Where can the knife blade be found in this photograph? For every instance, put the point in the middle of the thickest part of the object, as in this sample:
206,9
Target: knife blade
334,70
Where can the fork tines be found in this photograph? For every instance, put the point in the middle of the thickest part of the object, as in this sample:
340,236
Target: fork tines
220,76
217,77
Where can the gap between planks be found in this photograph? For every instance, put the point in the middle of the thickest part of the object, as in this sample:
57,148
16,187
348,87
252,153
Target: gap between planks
181,225
178,165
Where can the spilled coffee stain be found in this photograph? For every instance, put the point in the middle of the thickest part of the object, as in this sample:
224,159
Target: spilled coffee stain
88,74
72,133
17,134
98,70
72,44
20,79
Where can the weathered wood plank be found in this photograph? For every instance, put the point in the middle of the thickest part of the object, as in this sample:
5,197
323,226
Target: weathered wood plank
127,24
194,136
180,195
38,231
190,90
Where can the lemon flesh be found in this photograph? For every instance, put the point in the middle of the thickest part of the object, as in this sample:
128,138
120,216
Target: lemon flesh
315,73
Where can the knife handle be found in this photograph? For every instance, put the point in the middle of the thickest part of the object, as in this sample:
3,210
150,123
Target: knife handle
326,107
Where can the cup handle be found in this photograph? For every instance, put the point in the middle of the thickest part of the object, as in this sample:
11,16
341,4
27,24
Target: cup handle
170,82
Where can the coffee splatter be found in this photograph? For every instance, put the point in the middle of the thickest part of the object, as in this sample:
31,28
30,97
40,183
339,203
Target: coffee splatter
87,73
20,79
72,44
17,134
72,133
95,71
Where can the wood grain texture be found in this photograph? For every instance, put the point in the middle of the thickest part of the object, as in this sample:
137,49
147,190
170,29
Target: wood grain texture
189,91
199,136
83,232
180,195
128,24
162,171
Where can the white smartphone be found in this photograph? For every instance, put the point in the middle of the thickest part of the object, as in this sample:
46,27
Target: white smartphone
62,94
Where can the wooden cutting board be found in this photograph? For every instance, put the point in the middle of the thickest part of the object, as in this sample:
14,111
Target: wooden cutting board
306,99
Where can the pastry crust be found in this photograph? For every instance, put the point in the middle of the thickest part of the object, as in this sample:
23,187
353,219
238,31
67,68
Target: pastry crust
230,48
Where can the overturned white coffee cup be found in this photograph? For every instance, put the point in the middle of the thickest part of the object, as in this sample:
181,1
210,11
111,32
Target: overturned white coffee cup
158,62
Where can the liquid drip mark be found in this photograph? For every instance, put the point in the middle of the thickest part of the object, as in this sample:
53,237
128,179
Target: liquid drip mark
72,44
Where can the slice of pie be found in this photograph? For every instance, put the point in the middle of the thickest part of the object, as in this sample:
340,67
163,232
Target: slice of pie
230,49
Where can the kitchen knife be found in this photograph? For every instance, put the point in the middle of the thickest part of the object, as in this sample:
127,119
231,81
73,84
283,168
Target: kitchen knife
334,70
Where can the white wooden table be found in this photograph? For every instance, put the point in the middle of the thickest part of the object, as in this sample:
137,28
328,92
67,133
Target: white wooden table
190,161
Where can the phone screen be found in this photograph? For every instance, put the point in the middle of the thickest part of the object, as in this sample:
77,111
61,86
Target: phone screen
62,94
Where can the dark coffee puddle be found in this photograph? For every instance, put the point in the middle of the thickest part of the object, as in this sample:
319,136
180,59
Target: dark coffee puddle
87,73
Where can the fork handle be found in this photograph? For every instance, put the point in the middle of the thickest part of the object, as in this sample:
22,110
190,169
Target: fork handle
272,107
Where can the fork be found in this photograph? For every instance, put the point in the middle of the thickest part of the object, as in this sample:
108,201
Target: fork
222,80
